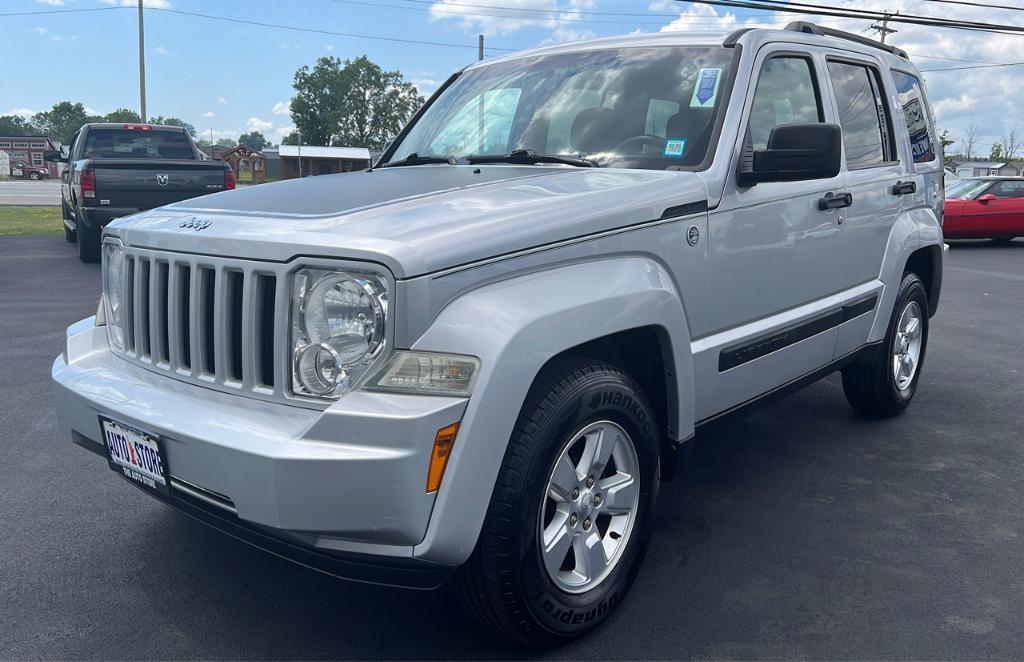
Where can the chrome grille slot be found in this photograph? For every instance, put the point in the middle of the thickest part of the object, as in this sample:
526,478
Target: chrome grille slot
159,302
179,311
142,318
263,327
129,296
233,304
207,352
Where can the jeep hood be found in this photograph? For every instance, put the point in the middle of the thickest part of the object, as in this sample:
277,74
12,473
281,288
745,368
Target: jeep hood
416,220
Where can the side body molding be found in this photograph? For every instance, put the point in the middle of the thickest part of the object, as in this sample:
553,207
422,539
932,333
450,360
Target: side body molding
515,327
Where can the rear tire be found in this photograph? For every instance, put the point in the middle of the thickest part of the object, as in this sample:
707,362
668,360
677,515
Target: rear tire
883,383
88,243
523,579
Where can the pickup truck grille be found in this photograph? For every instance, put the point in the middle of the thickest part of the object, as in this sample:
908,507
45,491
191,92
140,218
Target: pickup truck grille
212,321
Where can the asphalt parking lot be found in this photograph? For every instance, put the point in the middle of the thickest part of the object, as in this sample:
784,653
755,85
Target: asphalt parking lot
798,531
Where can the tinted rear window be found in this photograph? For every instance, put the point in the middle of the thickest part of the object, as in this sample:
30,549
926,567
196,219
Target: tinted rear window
134,144
919,123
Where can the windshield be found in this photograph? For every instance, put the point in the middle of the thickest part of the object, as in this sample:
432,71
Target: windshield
965,189
136,144
650,108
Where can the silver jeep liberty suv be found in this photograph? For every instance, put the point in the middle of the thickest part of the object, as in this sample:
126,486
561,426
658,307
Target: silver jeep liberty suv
475,361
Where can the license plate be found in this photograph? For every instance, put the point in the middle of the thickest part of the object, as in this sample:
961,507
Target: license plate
136,454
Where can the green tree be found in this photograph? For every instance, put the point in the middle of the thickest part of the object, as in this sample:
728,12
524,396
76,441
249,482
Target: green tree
946,139
123,115
61,121
997,152
291,139
15,125
351,102
173,121
253,140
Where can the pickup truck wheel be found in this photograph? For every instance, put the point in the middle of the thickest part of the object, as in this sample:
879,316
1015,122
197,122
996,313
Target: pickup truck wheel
571,512
88,243
884,385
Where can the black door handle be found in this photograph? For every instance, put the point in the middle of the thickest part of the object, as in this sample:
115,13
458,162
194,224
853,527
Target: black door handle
904,188
835,201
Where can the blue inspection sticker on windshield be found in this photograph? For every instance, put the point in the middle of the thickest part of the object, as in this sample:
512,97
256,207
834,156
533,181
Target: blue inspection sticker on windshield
675,147
705,90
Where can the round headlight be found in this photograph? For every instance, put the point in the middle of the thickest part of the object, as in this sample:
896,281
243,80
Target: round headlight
345,314
113,287
337,329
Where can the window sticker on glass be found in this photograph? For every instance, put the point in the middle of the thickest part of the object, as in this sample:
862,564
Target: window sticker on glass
675,147
706,90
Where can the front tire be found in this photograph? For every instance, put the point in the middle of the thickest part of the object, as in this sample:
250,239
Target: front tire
572,508
884,384
34,176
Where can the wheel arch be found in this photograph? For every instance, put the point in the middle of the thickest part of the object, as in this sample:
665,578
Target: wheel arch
517,327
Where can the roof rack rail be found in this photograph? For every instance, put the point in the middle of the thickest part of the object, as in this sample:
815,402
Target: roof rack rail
813,28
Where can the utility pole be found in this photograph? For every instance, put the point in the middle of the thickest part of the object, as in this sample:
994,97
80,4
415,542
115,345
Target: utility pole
300,152
883,30
142,65
480,49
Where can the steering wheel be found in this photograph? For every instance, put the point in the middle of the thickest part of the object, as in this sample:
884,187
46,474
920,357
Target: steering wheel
636,145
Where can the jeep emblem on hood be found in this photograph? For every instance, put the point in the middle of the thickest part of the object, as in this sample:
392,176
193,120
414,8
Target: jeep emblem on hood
195,223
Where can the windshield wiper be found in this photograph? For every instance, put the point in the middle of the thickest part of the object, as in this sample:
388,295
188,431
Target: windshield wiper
530,157
415,159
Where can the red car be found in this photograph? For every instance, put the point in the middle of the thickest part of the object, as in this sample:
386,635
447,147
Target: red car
985,208
21,169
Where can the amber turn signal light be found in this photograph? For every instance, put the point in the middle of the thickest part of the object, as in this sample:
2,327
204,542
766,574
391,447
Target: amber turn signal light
443,442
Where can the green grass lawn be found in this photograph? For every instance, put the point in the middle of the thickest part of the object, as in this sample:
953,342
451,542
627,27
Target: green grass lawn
23,221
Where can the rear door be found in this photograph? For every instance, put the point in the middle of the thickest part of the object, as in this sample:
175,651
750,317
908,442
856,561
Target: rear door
874,175
1001,216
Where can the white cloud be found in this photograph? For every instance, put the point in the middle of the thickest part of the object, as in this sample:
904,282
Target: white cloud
54,3
40,30
282,131
426,86
256,124
209,113
281,108
160,50
22,112
482,16
155,4
330,47
221,100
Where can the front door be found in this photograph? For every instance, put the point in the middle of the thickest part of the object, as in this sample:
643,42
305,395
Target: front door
776,258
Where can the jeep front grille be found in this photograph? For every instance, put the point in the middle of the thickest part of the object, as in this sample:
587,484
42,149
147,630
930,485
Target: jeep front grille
212,321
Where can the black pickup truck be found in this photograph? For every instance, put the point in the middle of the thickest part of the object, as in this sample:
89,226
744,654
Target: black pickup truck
114,170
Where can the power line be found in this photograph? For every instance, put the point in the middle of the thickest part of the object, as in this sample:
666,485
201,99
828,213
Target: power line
977,4
819,10
976,66
320,31
61,11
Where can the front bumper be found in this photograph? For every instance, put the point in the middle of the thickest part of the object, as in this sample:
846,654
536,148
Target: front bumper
344,482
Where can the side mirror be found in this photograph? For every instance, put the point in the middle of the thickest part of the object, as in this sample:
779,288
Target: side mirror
54,155
797,152
987,198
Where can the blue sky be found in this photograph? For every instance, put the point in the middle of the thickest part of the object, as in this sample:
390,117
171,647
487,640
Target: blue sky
232,77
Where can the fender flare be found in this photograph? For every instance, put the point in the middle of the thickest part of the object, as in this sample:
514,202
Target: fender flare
515,327
912,231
